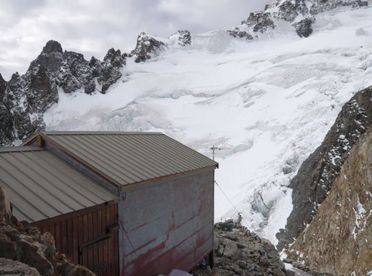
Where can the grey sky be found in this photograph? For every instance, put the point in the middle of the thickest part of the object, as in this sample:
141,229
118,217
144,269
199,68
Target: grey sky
94,26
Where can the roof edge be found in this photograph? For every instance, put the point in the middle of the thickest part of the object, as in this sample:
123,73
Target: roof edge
20,149
100,133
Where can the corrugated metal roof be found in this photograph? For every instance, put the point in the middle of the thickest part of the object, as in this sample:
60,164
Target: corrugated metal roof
131,157
41,186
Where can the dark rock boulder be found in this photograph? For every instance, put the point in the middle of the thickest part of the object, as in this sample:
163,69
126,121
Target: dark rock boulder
238,251
317,173
304,27
146,47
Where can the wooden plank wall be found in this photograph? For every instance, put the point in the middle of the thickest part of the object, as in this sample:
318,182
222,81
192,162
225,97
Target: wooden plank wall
88,237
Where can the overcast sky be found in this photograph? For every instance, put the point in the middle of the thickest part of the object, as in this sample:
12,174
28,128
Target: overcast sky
93,26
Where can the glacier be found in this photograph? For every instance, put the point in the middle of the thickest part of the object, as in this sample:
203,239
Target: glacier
266,104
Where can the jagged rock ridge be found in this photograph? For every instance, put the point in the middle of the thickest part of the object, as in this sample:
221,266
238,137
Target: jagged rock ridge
318,173
299,13
146,47
25,98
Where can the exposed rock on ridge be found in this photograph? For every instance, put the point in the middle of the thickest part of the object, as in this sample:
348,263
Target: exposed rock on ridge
318,173
182,38
338,240
147,46
299,13
25,98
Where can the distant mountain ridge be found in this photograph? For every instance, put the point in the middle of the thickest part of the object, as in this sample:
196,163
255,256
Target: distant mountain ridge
25,98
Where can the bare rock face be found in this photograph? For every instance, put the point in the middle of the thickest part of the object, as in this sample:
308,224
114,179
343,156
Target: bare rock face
241,252
25,244
318,173
338,240
10,267
108,71
147,47
25,98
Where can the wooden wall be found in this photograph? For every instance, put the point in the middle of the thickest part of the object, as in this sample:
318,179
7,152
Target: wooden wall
88,237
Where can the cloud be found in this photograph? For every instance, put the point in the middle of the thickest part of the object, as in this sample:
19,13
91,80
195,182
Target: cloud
93,26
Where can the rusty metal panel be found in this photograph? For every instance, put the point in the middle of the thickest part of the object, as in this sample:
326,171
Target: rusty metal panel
167,225
42,186
127,158
88,237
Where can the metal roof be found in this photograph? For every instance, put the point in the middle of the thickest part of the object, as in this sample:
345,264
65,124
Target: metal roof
130,157
41,186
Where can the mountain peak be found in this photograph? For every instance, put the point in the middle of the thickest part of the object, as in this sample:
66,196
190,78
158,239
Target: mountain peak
52,46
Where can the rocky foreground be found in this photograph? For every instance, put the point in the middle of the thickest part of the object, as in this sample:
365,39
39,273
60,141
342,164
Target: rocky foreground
26,251
241,252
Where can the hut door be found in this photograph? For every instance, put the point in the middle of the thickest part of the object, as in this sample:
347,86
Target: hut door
100,254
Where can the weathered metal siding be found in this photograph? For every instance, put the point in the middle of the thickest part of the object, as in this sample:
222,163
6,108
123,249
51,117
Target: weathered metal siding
166,225
88,237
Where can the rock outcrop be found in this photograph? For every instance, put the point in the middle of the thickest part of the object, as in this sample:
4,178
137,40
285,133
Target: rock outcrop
25,98
21,243
338,240
182,38
317,174
10,267
241,252
147,46
299,13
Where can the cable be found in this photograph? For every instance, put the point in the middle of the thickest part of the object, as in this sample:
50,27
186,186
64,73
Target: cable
228,199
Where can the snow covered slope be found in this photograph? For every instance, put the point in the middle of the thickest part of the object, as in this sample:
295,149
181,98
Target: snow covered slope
267,104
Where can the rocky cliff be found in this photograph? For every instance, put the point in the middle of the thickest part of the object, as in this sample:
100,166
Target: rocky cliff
26,251
317,174
339,238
